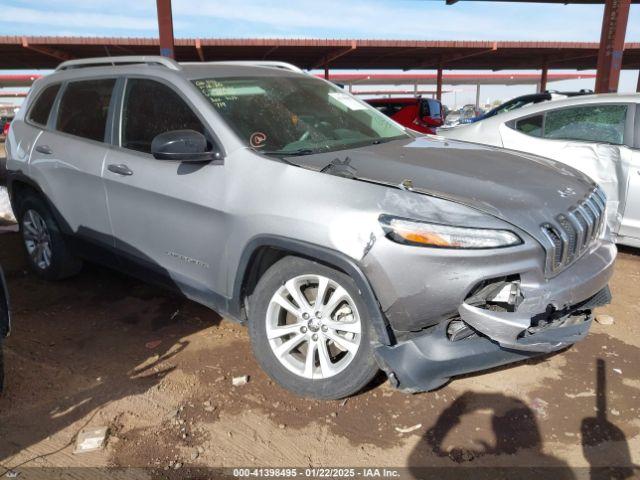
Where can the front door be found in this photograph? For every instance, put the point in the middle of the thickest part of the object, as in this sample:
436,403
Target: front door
167,216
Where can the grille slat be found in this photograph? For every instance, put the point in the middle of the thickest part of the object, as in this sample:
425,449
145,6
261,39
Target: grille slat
572,233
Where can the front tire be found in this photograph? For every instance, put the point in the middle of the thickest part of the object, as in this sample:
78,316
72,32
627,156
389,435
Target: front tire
309,330
48,253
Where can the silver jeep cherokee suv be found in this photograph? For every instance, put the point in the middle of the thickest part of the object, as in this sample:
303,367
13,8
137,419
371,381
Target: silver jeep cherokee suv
346,243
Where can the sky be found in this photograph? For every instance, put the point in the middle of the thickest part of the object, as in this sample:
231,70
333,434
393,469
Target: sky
379,19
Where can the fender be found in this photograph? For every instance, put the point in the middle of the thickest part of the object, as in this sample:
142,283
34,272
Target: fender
324,255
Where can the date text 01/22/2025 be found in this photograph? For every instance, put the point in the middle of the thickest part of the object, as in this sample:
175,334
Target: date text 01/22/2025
316,473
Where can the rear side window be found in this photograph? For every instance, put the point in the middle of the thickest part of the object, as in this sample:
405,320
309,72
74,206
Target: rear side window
594,123
389,109
530,126
151,108
84,108
431,108
40,111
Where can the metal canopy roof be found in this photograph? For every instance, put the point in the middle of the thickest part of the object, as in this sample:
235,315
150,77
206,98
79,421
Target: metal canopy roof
47,52
451,79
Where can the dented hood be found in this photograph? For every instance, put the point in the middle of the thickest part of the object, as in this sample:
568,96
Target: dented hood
519,188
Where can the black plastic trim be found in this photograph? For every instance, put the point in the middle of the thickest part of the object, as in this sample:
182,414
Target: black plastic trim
323,255
5,311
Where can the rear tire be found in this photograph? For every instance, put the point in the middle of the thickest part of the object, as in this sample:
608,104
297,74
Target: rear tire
48,253
319,348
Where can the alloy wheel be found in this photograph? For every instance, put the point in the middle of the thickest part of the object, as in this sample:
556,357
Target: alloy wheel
37,239
313,326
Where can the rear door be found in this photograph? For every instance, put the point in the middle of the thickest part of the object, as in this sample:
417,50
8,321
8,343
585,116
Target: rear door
25,132
68,158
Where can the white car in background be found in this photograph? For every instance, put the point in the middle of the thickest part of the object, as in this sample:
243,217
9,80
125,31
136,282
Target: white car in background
597,134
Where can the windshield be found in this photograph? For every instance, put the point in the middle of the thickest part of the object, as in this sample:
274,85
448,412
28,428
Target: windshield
296,115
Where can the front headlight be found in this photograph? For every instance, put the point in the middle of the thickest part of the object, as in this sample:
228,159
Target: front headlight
412,232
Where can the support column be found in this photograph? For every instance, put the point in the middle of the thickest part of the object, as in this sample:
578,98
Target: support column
439,84
478,95
614,27
165,28
638,86
326,72
543,79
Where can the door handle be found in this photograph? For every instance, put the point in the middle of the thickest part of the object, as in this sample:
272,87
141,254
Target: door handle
46,149
120,169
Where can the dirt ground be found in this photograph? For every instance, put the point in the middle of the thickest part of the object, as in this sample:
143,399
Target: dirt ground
103,349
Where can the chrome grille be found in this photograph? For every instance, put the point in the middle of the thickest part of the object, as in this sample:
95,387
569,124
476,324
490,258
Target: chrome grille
571,233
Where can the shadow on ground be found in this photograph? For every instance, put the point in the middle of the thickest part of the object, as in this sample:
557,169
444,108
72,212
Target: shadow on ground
82,343
513,427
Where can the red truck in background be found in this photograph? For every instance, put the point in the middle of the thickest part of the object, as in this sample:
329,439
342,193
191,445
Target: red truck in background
417,113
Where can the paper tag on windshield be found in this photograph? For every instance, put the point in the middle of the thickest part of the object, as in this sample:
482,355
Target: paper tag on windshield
348,101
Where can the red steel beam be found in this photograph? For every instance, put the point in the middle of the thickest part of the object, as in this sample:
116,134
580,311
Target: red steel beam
60,55
198,45
165,28
614,27
327,59
543,79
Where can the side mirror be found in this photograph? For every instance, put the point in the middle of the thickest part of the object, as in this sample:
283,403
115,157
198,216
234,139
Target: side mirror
182,146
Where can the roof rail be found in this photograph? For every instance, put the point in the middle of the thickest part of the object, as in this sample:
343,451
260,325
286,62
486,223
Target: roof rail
252,63
123,60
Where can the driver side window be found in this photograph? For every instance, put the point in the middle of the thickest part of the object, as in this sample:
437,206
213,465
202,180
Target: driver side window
151,108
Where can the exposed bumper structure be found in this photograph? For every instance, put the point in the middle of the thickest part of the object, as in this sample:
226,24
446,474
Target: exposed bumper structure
430,360
551,316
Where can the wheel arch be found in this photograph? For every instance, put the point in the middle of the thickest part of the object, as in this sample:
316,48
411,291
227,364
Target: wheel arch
19,185
263,251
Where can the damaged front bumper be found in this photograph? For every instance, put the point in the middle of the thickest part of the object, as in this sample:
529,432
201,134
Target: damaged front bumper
428,361
550,316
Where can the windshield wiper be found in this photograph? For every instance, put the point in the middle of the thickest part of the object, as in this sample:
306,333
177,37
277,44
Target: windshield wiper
291,153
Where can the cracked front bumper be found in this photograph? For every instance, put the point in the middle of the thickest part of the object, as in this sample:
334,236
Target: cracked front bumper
428,360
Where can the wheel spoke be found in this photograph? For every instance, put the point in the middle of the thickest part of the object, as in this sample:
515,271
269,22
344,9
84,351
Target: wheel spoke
351,327
338,295
289,345
326,366
40,255
286,304
281,331
310,360
29,235
323,283
46,252
32,219
29,229
352,347
297,295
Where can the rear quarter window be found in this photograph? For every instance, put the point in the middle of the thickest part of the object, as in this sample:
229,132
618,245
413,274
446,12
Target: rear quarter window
39,113
530,125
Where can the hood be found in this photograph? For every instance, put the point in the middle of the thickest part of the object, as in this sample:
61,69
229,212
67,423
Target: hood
518,188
